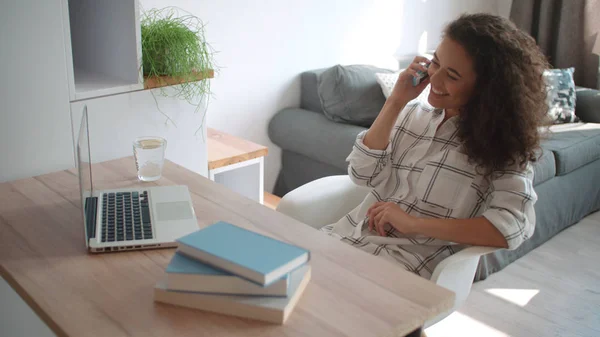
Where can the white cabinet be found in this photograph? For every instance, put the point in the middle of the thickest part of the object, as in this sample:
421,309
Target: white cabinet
35,125
102,46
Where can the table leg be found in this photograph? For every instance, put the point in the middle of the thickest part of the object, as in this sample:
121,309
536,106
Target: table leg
261,181
233,181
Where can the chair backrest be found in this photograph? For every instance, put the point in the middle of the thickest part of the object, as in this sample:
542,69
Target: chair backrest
328,200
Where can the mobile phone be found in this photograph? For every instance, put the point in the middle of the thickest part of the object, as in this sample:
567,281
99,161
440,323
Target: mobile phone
420,75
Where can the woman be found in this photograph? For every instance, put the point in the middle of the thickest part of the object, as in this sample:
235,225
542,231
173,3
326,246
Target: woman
456,171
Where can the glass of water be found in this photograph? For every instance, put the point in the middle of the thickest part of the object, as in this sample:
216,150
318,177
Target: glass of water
149,155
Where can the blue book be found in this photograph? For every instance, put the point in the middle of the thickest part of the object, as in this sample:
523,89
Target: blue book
265,308
187,274
242,252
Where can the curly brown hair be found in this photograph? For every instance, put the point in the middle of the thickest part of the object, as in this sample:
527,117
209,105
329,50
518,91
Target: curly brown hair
500,124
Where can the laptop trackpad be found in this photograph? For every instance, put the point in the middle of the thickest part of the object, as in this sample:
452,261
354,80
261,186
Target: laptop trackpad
177,210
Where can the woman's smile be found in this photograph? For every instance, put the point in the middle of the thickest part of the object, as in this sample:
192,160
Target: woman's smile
438,92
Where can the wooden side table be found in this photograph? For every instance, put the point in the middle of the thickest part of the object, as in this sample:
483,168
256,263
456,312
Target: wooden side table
236,163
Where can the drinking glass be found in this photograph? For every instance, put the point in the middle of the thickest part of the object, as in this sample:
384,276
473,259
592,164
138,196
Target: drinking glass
149,155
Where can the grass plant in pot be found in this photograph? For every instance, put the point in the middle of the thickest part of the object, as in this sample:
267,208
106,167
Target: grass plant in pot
176,58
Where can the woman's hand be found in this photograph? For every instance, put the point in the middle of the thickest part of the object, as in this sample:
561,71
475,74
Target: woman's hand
382,213
378,136
403,89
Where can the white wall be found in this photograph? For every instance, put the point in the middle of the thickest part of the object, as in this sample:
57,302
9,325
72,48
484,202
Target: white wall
504,7
115,121
264,46
429,17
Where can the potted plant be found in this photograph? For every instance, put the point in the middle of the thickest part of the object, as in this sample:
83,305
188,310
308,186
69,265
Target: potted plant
175,53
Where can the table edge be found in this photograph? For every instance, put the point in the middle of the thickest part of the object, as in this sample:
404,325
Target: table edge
24,295
222,162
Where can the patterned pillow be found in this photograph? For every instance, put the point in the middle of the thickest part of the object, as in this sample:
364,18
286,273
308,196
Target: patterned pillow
387,82
560,95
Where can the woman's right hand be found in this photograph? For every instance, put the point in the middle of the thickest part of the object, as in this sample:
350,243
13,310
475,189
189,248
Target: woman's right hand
378,136
404,91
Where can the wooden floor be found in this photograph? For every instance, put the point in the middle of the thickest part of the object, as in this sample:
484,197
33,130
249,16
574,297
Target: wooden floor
552,291
271,200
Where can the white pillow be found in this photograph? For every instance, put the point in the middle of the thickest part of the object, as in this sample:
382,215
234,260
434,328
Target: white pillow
387,81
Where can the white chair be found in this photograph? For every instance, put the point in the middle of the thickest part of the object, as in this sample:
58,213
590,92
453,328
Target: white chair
326,200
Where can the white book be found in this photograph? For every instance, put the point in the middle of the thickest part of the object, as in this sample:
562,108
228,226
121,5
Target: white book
187,274
264,308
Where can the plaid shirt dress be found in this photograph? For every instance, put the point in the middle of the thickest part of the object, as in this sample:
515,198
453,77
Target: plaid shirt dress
424,172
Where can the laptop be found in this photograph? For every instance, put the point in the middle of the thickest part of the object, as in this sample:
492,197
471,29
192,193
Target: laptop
133,218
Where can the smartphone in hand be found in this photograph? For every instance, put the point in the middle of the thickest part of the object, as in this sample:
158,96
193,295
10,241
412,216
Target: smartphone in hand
421,75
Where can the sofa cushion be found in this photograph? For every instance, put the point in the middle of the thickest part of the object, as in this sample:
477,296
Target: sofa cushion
545,167
588,105
311,134
351,94
574,145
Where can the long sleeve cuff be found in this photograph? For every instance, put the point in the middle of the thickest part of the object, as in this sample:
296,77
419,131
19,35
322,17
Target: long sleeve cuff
368,167
362,154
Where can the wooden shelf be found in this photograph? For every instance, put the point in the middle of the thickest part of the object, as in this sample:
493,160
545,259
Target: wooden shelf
164,81
224,149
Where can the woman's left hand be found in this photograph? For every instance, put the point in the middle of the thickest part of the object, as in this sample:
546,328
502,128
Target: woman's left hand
382,213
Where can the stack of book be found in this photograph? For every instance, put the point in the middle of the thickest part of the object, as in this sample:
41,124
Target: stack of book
230,270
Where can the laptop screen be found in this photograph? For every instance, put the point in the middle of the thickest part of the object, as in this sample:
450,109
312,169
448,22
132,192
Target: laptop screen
85,171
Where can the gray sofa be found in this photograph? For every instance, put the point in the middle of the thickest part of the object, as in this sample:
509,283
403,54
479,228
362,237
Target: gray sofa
567,176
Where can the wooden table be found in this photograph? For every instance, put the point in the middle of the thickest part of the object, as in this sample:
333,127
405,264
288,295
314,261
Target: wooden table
236,163
43,257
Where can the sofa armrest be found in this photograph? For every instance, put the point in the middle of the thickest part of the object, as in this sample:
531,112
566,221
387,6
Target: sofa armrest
588,105
314,136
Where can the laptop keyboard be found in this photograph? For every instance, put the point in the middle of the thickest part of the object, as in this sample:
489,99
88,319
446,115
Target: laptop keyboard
126,217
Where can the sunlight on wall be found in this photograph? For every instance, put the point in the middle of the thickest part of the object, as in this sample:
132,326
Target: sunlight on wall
519,297
422,49
373,39
458,324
